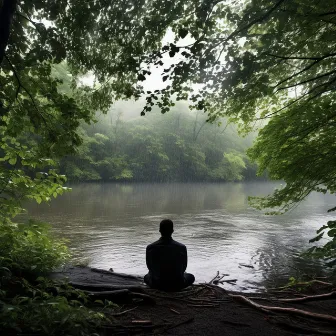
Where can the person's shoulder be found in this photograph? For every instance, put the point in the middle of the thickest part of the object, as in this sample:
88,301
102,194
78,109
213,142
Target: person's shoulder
178,244
154,244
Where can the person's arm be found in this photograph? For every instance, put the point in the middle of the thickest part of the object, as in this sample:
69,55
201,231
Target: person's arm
148,259
185,258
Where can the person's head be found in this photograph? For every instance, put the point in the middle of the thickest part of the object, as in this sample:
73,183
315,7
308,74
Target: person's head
166,228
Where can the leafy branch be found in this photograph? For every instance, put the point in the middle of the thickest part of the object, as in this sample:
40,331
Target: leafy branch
20,85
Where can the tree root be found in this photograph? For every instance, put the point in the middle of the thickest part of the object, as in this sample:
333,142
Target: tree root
295,311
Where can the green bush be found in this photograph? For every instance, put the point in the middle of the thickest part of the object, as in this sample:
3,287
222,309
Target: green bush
32,304
30,248
47,308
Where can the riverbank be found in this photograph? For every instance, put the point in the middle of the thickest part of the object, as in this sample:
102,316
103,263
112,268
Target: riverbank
206,309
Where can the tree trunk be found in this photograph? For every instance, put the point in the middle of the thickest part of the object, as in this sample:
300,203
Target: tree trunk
7,9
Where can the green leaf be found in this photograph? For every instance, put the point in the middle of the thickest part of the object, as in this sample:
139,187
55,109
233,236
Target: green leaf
182,32
13,161
332,233
317,238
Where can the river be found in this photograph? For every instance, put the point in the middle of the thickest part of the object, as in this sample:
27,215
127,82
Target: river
110,224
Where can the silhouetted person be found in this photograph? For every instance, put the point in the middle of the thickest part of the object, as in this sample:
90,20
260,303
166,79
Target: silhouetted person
167,261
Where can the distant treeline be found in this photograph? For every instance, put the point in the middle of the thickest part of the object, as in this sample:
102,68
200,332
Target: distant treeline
178,146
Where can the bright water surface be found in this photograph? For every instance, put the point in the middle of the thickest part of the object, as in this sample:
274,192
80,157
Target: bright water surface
112,223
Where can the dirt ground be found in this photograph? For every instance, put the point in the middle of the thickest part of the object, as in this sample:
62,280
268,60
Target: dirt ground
206,309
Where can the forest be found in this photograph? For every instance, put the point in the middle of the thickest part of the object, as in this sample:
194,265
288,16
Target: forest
179,146
224,91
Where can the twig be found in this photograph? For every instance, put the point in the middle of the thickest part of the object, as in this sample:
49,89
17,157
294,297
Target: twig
142,322
203,305
216,276
175,311
215,282
103,287
124,312
229,280
245,265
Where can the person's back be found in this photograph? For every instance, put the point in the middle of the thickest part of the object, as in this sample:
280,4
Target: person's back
167,261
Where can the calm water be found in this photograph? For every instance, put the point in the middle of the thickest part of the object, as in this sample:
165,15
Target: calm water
111,224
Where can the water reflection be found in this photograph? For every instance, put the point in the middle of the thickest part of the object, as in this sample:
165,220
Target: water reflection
112,224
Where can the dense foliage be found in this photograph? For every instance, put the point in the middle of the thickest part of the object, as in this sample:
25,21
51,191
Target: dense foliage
179,146
29,303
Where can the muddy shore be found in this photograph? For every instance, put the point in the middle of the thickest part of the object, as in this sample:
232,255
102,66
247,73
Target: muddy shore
207,309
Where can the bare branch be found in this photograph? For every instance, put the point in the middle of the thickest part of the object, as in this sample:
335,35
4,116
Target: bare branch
327,13
316,58
307,81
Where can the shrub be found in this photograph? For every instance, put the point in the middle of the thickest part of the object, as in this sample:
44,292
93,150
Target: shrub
29,248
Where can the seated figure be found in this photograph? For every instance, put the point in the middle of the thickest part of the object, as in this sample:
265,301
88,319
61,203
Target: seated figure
167,261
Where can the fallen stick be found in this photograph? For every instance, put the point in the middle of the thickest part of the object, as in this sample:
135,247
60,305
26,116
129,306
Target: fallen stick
118,294
229,280
175,311
142,322
324,317
114,274
142,296
215,282
216,276
311,298
203,305
108,294
104,287
124,312
245,265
